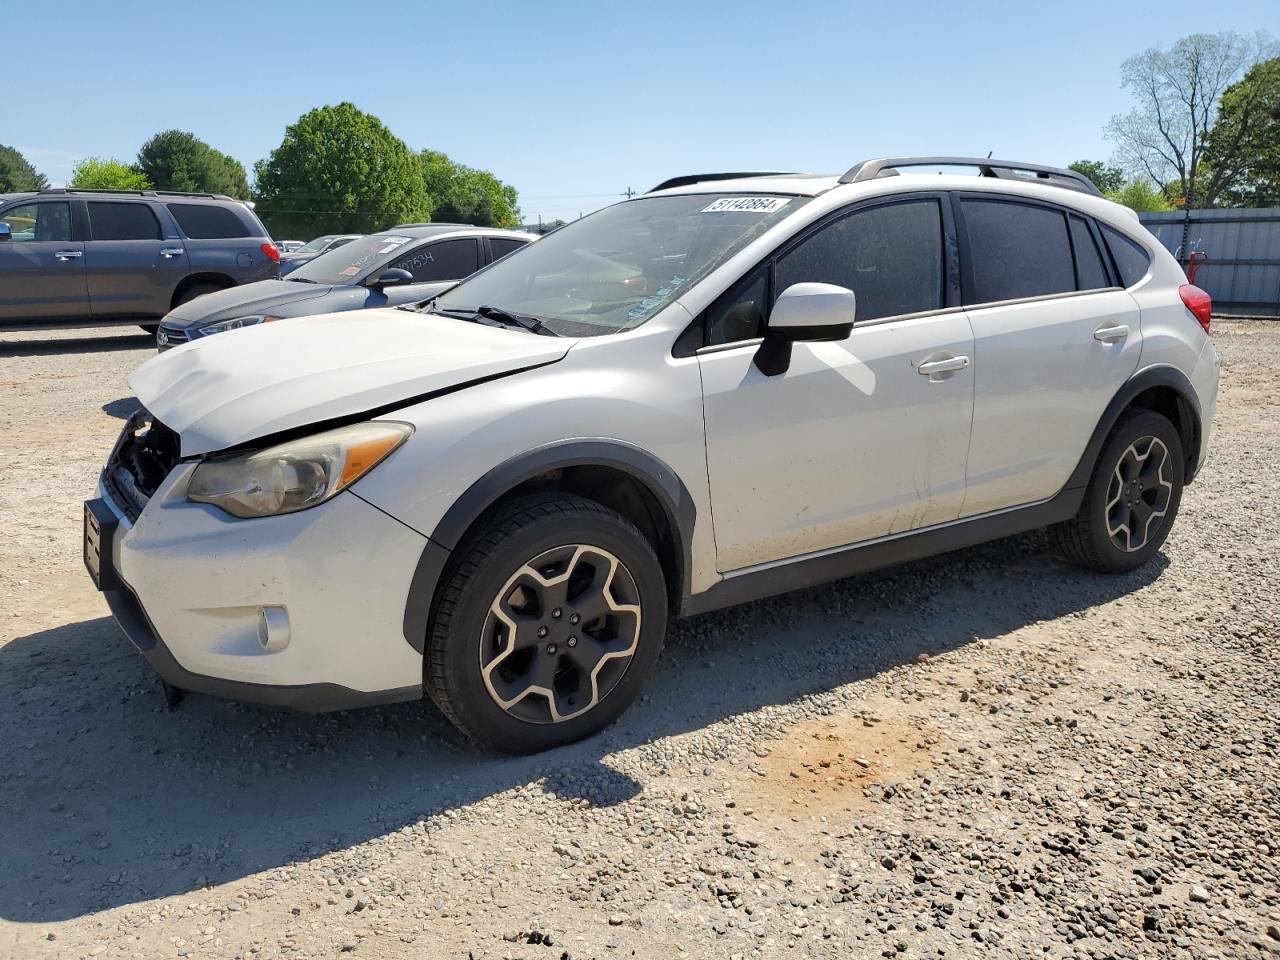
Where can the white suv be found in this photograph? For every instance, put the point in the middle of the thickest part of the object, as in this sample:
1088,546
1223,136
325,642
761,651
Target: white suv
726,388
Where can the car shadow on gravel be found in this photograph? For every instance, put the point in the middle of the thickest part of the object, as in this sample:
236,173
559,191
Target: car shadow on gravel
52,347
108,798
122,409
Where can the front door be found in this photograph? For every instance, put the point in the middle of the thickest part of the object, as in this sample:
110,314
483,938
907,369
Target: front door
858,439
41,268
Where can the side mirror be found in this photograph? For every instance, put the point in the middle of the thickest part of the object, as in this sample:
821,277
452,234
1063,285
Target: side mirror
804,312
6,231
394,277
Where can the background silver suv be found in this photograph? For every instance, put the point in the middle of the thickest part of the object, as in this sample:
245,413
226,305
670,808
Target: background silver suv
71,258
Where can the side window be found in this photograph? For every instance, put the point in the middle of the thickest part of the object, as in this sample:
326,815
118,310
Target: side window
501,246
446,260
39,221
1090,273
1016,250
739,315
204,221
123,221
1131,260
890,256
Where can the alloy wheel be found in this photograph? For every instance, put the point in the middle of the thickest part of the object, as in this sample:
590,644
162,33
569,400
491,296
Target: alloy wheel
1139,494
560,634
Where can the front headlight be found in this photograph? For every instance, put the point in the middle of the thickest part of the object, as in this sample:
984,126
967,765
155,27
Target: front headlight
236,323
298,474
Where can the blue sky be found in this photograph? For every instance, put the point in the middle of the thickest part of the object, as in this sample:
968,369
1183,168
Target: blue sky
574,102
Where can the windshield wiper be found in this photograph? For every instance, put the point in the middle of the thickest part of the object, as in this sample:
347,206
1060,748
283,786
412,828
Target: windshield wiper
532,324
298,279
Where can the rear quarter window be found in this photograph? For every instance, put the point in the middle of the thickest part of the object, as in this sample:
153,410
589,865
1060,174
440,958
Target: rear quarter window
1131,260
202,221
501,246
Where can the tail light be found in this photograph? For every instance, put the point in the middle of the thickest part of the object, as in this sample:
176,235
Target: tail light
1198,302
272,252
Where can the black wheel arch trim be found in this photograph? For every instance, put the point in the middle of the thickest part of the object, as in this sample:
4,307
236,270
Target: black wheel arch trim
1159,375
657,477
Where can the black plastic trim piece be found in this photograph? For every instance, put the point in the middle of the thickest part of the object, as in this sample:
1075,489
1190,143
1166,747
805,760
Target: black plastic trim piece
661,481
878,554
1155,376
426,575
305,698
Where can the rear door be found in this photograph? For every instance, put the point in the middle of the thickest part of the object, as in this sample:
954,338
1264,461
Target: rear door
132,262
223,238
42,274
1054,338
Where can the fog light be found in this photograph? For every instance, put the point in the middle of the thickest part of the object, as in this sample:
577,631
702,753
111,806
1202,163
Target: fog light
273,628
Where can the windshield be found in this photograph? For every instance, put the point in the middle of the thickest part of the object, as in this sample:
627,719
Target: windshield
350,262
314,246
615,269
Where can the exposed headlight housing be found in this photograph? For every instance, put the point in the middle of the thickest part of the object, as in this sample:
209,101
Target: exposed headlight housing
295,475
222,326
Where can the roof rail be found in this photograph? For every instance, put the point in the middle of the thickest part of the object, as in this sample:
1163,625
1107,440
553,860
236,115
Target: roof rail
704,177
137,193
433,223
1002,169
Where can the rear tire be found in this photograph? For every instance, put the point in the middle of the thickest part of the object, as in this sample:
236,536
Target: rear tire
1132,498
549,617
193,291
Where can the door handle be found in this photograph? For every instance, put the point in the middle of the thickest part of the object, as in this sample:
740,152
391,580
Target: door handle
171,252
1108,334
942,366
68,254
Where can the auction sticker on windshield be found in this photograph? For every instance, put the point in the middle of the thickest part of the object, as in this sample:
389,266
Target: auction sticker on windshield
746,205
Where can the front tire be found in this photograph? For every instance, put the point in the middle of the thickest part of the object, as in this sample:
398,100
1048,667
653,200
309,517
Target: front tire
1132,498
549,617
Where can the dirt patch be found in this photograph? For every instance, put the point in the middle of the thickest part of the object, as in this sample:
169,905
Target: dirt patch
840,764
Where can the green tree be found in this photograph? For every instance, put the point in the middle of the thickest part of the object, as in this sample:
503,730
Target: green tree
17,175
339,170
97,173
1140,195
1104,176
462,194
1248,130
1178,91
177,160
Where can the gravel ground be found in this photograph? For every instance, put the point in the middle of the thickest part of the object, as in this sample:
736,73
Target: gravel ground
985,754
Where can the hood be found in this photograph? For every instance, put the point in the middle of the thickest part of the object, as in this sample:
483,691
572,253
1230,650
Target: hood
227,390
243,301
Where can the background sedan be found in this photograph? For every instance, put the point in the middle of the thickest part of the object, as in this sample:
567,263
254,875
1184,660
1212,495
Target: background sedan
308,251
402,265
